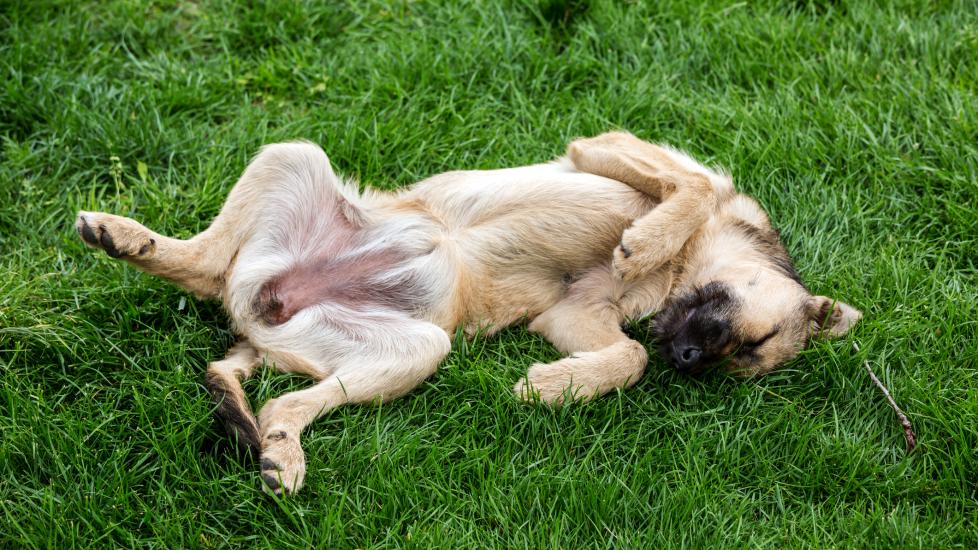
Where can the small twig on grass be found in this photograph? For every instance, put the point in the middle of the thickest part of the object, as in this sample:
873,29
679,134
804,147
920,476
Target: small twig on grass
908,432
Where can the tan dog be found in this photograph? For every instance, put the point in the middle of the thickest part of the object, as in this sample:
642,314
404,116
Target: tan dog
360,291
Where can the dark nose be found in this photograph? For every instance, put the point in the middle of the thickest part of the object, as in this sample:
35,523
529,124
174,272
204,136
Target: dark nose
685,357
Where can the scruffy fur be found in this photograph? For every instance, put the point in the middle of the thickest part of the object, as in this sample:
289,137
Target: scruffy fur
361,290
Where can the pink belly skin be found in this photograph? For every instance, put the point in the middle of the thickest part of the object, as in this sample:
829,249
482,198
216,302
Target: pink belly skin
350,282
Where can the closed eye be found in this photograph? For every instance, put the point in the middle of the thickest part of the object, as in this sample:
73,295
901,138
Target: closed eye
750,347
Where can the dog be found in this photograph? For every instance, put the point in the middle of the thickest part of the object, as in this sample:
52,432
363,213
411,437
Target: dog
361,290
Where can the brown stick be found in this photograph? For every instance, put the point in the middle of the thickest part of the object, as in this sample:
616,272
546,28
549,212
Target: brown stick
908,432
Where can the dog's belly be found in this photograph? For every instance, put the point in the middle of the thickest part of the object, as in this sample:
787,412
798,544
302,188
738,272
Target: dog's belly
480,248
524,234
309,261
354,282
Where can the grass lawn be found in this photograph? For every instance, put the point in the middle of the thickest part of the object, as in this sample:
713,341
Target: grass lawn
855,123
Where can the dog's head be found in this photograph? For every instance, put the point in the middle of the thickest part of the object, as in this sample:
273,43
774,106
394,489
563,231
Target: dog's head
744,308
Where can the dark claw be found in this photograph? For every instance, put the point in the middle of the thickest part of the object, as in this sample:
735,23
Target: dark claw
145,248
272,482
624,249
87,234
277,436
269,464
107,243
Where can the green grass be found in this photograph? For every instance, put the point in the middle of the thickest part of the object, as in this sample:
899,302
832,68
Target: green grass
855,124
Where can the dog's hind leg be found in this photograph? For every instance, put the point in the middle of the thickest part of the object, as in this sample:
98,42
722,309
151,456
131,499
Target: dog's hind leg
384,361
188,263
280,175
688,192
223,381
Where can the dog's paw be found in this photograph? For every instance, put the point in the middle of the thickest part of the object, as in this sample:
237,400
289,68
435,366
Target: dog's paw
632,259
549,383
622,264
119,237
283,464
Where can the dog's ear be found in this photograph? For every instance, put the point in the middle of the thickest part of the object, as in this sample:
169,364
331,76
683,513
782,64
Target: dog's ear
829,317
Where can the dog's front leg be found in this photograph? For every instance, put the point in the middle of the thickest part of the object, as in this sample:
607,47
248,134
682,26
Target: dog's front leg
587,326
688,192
368,371
585,375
